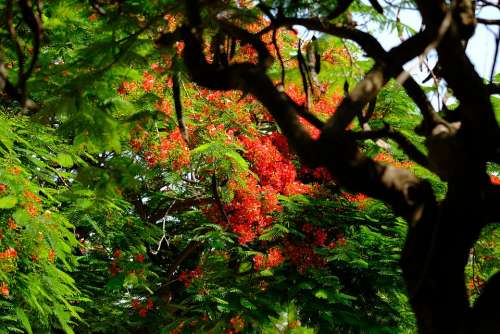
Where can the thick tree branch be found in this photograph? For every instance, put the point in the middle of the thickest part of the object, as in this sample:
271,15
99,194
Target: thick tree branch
493,88
310,117
492,199
178,107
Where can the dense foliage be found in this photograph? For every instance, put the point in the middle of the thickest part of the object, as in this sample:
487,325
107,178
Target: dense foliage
134,200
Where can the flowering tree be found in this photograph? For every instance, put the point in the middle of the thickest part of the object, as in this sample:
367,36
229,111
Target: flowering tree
180,167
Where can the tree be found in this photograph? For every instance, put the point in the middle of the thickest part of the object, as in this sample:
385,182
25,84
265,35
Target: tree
189,200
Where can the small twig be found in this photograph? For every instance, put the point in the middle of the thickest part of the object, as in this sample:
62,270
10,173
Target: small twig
164,236
370,110
304,74
406,145
217,199
497,42
280,59
436,83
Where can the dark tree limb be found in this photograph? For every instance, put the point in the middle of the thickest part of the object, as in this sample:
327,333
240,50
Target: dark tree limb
493,88
178,107
280,58
311,118
217,199
487,21
376,5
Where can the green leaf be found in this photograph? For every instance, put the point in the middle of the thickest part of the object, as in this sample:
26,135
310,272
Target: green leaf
8,202
220,301
321,294
64,160
360,263
266,273
245,266
23,318
247,304
305,286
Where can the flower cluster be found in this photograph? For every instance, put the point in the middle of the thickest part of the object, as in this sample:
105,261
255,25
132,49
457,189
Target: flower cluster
186,277
335,55
388,159
303,256
495,179
148,81
273,259
273,168
172,149
4,289
237,324
126,87
358,198
142,308
8,254
246,213
30,196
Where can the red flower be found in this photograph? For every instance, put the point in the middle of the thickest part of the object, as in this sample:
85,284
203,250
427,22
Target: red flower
11,224
143,313
185,278
115,269
274,257
135,303
9,253
149,304
148,82
139,258
4,289
52,255
29,195
341,240
320,236
307,228
259,261
332,245
237,323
